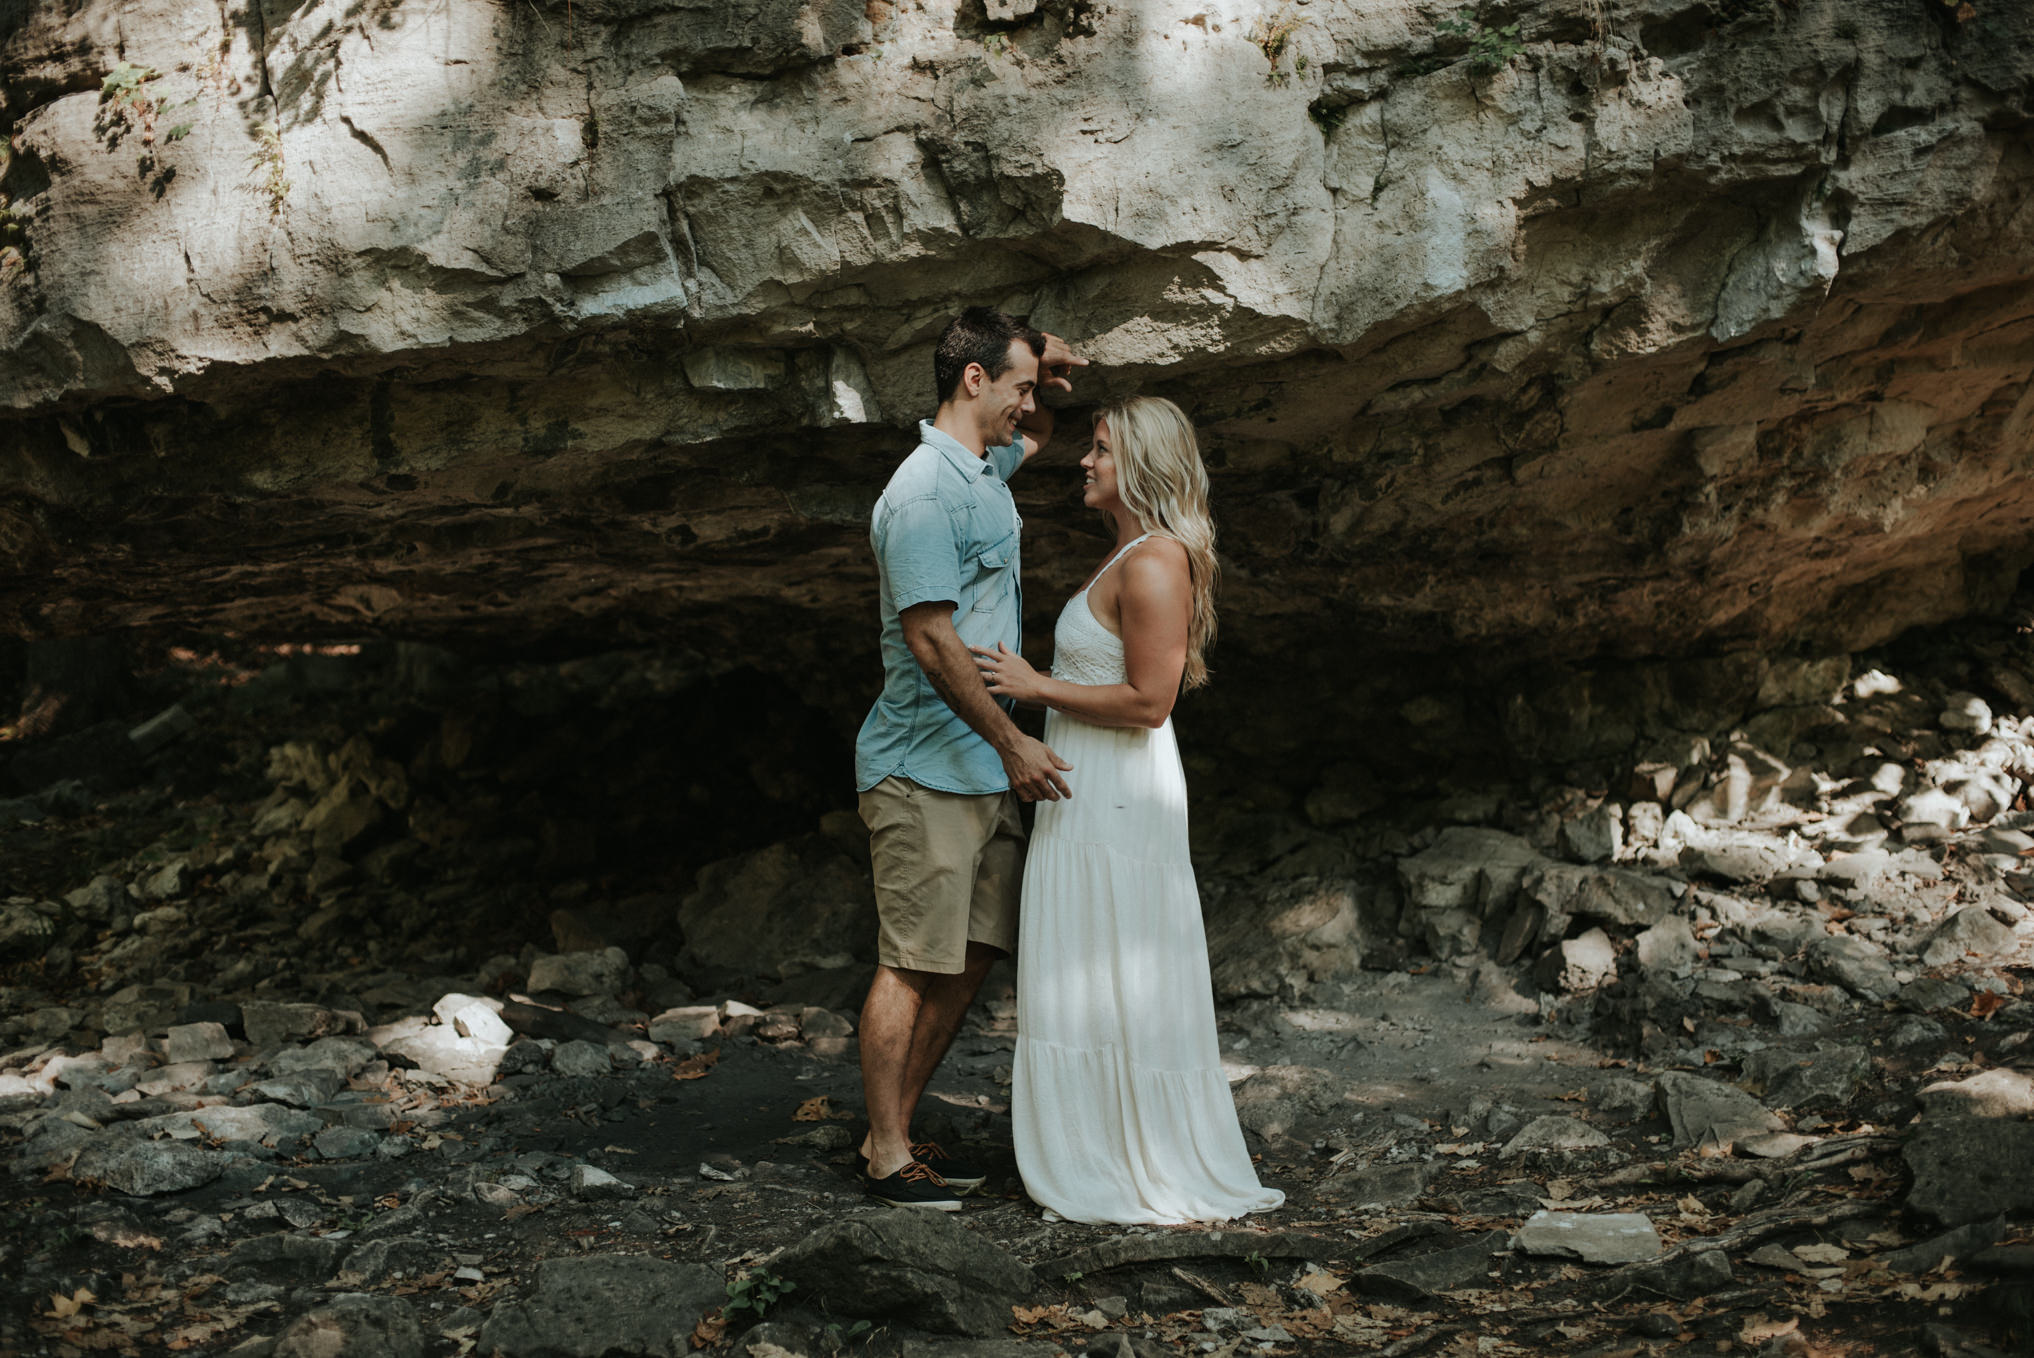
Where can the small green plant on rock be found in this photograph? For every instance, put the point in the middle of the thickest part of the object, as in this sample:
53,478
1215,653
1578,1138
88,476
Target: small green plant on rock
1273,37
836,1337
272,175
1258,1264
129,105
13,240
1490,49
757,1292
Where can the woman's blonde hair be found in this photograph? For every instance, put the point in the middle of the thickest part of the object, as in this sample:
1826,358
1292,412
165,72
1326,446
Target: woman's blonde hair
1160,479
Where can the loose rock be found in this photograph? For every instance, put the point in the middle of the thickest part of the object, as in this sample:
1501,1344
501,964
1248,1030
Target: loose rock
1710,1113
1594,1238
915,1268
608,1306
354,1326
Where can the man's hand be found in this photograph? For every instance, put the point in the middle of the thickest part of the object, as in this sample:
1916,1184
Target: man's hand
1057,363
1034,770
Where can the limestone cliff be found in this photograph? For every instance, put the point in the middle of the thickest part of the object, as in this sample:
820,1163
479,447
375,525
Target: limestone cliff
1542,332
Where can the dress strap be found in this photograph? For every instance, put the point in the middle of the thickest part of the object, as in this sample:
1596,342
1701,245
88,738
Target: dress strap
1112,561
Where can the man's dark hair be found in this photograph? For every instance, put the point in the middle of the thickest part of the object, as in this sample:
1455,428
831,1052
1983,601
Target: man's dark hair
978,335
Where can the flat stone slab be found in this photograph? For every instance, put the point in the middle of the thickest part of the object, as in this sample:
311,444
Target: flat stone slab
1420,1277
1998,1093
1554,1132
605,1306
1592,1237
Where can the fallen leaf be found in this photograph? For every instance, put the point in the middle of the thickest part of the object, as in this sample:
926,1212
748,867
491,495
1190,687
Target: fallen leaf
1985,1003
63,1307
1758,1329
1319,1283
708,1331
1821,1254
695,1067
819,1108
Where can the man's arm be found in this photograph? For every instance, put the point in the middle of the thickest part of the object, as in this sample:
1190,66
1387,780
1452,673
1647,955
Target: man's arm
1033,769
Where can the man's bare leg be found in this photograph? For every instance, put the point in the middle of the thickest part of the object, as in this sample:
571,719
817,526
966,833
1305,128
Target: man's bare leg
900,1056
889,1022
939,1018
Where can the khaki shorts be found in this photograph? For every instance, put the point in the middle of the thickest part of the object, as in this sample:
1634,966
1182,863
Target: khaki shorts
947,867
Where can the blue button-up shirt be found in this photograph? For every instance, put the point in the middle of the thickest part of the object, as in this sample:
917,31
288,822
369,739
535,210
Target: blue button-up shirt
944,529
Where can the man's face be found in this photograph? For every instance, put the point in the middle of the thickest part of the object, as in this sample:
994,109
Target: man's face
1010,397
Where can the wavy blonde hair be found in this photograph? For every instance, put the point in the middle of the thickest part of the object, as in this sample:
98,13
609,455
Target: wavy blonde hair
1161,480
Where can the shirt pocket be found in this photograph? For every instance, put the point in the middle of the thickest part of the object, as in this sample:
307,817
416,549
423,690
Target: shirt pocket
993,577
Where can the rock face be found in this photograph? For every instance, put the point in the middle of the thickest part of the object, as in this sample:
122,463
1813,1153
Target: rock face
917,1268
613,1304
1670,332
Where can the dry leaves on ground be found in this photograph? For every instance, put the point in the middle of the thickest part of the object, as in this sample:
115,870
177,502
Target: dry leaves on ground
696,1067
820,1108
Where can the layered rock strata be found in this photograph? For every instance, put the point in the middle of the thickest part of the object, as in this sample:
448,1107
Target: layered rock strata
1651,328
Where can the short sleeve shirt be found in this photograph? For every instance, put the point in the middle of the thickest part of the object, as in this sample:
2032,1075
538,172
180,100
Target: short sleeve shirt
945,528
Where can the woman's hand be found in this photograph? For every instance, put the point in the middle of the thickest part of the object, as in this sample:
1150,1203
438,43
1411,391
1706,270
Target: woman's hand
1008,674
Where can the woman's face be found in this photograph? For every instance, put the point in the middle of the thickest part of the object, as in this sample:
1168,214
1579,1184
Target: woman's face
1099,491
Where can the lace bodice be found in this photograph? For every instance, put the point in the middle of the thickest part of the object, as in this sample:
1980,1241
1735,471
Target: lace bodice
1084,651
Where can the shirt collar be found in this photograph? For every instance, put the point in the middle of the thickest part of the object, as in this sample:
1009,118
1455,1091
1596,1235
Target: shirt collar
954,450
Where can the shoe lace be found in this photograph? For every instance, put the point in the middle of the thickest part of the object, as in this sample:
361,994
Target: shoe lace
920,1172
929,1150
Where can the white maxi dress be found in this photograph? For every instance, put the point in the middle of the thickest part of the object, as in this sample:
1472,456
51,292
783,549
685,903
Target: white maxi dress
1121,1111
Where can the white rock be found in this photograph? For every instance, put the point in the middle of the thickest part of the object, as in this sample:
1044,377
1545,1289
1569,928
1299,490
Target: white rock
475,1016
1932,814
1592,1237
1577,964
1966,712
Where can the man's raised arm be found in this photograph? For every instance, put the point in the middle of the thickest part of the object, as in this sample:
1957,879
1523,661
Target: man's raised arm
1055,368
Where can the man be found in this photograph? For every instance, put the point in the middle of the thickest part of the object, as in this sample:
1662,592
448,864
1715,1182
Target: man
939,763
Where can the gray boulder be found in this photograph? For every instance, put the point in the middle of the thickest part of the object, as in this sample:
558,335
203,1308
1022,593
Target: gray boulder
1283,938
603,971
144,1169
1611,895
354,1325
1423,1275
1711,1113
1970,1169
605,1306
1668,948
286,1256
1971,930
1857,964
1825,1078
1270,1102
920,1269
793,906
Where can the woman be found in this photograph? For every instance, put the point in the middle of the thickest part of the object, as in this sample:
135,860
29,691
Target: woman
1122,1112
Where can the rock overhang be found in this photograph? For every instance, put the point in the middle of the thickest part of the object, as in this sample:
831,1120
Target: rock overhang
1675,333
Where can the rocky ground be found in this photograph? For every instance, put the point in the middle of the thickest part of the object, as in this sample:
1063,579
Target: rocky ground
346,1011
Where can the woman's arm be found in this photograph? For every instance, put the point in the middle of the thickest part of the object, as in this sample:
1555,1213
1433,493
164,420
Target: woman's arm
1154,597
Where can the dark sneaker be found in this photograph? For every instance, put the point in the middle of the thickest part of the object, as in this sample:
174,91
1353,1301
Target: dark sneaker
913,1186
957,1170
